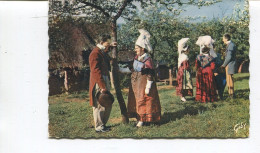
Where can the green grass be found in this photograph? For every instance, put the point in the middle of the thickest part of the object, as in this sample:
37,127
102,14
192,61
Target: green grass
70,116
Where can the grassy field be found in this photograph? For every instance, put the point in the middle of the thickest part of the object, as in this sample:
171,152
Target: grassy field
70,116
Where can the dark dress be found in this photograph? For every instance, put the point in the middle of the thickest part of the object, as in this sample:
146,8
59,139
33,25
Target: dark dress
220,77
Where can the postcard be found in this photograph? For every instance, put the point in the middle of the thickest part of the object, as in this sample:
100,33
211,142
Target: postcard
113,76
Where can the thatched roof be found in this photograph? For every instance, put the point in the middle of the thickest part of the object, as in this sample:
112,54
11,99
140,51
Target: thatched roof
68,40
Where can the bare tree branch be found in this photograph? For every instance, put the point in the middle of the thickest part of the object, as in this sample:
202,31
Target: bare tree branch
119,13
97,7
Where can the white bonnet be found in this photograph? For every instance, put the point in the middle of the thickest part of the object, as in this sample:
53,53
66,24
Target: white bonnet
182,45
144,40
206,41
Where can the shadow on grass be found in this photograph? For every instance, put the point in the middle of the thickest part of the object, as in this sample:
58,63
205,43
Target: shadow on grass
190,98
239,94
188,110
241,78
242,93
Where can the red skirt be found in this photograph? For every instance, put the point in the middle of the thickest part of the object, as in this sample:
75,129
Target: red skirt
205,85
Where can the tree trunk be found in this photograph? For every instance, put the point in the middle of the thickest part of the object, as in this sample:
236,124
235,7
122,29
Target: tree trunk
112,80
115,75
66,85
170,76
241,68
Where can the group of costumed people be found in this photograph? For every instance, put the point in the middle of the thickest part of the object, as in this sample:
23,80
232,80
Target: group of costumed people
143,98
212,74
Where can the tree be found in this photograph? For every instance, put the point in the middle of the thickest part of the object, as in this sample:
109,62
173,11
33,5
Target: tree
164,26
110,11
166,29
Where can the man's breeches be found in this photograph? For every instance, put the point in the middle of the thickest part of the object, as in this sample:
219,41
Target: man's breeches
101,114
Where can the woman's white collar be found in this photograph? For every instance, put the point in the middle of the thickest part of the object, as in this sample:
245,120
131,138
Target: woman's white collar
142,56
206,54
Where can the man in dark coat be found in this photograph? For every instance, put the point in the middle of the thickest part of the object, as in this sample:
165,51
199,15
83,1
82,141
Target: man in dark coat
99,82
230,63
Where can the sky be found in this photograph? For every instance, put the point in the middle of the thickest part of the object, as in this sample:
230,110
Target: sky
218,10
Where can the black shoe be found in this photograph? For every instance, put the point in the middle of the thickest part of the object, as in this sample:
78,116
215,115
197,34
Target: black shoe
108,127
231,96
221,97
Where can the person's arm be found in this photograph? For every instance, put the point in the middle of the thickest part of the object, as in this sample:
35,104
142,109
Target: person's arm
149,82
123,69
95,68
229,55
212,65
197,64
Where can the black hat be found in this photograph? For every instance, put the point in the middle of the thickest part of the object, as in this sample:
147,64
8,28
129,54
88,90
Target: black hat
105,99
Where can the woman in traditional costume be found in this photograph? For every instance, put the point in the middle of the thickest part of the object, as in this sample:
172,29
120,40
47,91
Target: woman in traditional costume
184,82
205,65
143,99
